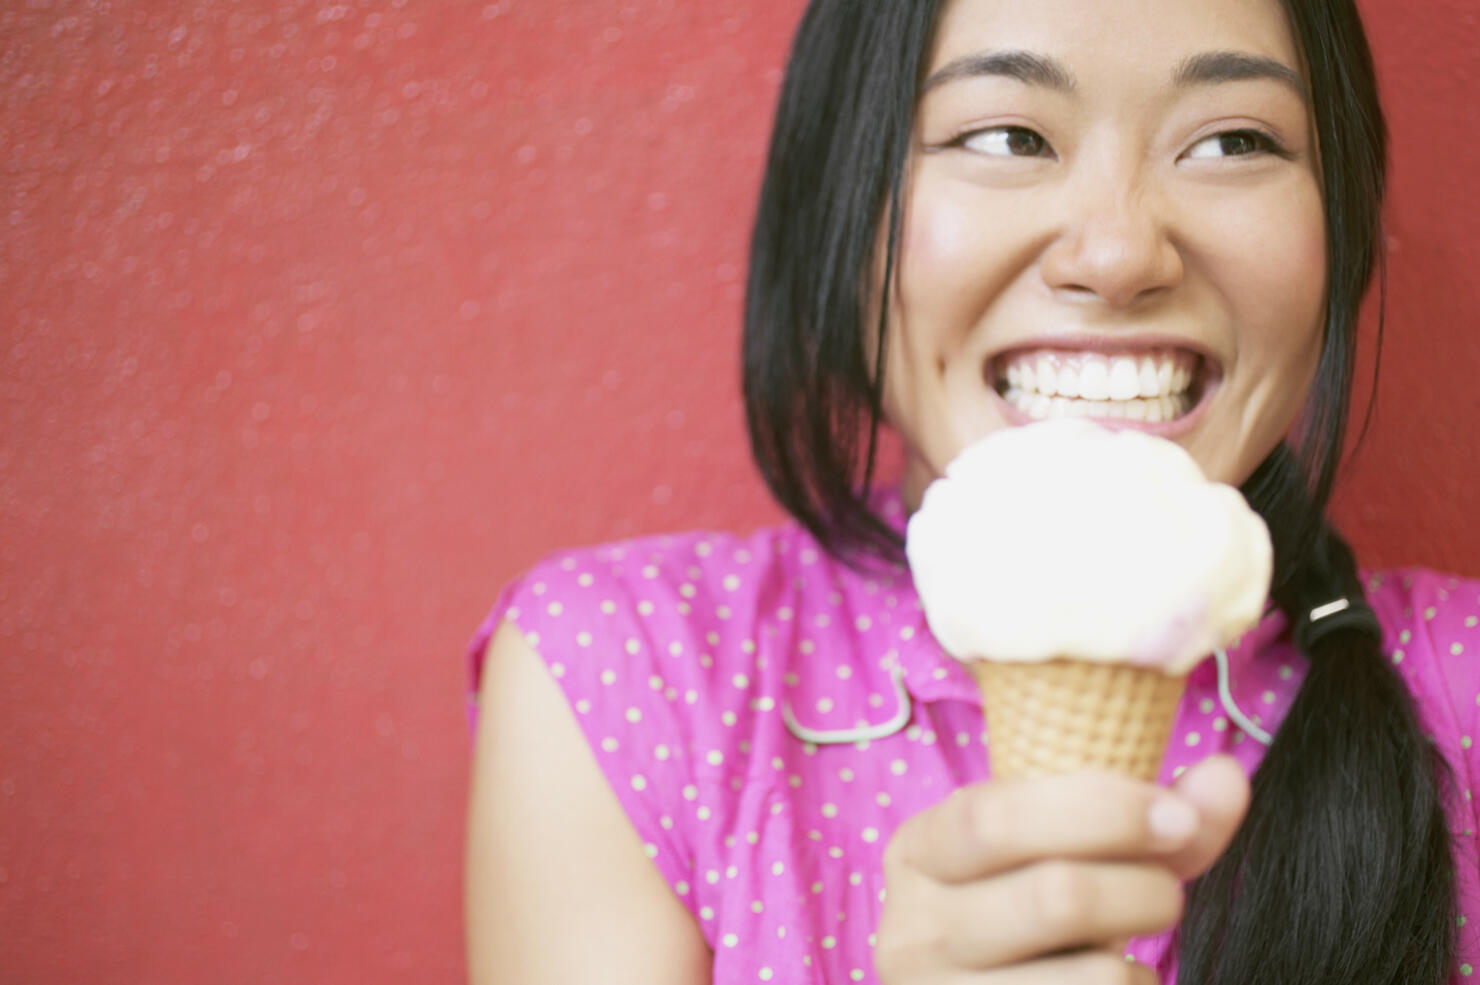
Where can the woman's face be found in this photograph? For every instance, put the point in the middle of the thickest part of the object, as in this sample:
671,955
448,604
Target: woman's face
1112,209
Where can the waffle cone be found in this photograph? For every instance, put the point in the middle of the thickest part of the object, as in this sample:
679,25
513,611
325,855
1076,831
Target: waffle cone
1059,716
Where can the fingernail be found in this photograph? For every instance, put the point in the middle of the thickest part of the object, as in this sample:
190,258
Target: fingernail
1171,819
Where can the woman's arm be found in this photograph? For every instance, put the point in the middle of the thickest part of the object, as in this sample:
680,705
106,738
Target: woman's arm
558,888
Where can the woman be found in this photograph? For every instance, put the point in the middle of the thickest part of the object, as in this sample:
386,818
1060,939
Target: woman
717,758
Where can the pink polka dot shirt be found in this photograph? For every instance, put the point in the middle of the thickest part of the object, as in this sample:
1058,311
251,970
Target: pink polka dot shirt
767,717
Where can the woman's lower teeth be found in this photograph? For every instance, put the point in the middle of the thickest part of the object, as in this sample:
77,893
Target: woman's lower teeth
1149,409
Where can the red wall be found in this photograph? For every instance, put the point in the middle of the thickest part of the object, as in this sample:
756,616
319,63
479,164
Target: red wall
320,321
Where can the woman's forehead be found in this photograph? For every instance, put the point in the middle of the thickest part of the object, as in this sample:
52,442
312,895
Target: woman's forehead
1087,37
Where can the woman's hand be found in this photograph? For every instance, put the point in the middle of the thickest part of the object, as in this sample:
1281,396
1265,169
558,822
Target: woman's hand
1044,880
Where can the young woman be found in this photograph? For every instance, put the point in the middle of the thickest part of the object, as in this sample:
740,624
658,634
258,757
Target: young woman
718,758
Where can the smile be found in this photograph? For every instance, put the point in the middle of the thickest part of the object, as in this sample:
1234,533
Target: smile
1154,386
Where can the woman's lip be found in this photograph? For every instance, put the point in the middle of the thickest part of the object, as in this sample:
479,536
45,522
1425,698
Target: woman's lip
1162,429
1106,345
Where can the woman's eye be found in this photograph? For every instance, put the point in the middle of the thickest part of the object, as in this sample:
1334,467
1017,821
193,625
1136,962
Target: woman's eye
1233,143
1006,142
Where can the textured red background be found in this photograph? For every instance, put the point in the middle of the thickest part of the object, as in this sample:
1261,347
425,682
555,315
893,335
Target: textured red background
320,321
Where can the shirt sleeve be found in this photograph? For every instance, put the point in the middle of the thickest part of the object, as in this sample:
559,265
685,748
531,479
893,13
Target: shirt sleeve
1436,650
579,618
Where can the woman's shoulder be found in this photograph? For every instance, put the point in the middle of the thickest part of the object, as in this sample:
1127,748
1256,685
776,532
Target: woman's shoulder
1427,614
677,613
1431,633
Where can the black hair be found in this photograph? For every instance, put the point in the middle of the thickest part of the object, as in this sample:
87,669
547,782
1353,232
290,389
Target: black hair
1342,871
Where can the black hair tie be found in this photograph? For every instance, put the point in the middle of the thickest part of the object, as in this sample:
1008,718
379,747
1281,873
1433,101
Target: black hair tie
1336,616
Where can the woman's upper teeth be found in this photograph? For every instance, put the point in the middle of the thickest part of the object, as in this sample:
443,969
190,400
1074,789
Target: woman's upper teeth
1100,376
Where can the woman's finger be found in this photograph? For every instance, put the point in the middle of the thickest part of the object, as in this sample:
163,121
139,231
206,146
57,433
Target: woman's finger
984,829
1098,967
1220,791
1055,906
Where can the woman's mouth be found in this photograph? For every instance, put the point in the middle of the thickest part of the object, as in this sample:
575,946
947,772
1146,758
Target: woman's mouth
1152,386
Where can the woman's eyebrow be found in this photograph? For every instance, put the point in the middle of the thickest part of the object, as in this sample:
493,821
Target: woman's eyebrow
1025,66
1235,66
1031,68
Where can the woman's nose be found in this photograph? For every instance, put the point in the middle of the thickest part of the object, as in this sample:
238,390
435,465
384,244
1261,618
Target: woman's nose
1114,249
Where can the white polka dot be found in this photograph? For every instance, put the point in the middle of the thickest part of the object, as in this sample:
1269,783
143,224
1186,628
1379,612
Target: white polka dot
703,548
907,633
829,810
1205,706
633,646
1398,656
609,745
583,638
1193,738
639,783
844,673
1405,636
723,612
650,850
883,799
845,774
825,705
682,888
711,877
1286,672
650,571
855,879
784,614
1220,724
555,608
765,703
690,792
863,623
898,767
856,974
609,607
582,706
666,822
539,588
816,888
634,715
765,974
705,913
644,608
731,583
512,613
777,868
703,813
557,670
1430,613
1456,649
829,942
728,718
870,835
715,757
585,580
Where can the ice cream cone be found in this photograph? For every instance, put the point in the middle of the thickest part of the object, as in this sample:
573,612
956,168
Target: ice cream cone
1058,716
